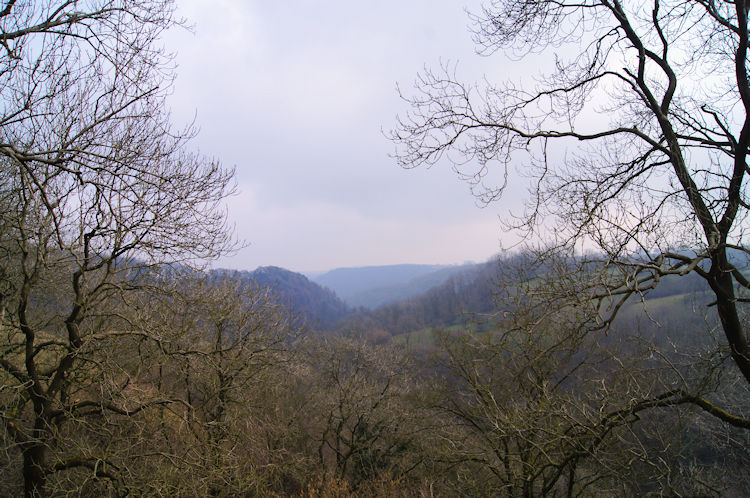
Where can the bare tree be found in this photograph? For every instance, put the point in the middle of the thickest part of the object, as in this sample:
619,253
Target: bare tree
636,146
235,338
539,406
98,191
365,429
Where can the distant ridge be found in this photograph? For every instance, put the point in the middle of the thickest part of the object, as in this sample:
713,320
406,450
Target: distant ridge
374,286
321,306
467,294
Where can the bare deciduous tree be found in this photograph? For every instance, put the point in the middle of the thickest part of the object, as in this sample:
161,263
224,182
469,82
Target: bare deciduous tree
365,430
539,406
636,145
98,189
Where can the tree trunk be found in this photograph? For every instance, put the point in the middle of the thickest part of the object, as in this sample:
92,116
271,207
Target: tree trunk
722,284
34,476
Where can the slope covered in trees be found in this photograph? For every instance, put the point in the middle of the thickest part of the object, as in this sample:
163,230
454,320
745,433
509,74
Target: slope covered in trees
465,292
373,286
380,295
319,307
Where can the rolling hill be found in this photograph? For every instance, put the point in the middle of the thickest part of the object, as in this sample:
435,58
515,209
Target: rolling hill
373,286
320,306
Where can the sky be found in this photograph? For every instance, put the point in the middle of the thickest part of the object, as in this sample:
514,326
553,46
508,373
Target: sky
296,95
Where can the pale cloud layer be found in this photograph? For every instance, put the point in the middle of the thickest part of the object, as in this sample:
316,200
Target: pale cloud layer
296,94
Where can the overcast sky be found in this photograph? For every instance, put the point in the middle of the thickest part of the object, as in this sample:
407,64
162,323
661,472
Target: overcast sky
295,94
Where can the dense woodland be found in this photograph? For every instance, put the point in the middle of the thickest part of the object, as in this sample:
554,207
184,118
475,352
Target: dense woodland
609,358
317,306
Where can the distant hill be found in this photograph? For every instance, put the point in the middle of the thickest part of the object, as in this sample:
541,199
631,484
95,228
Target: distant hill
466,290
468,295
374,286
320,306
378,296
